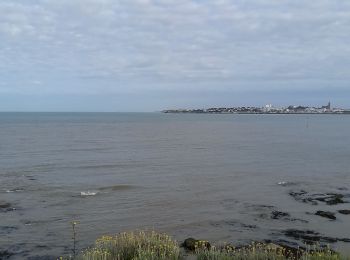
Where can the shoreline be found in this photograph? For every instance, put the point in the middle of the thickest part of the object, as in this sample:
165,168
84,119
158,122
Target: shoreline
247,113
150,245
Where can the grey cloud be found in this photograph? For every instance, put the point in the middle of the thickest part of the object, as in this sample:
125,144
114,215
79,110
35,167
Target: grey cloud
146,42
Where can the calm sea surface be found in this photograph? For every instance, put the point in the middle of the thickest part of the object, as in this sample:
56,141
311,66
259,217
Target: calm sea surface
207,176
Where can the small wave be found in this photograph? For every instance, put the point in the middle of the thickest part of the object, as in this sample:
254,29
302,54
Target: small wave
14,190
116,187
286,183
87,193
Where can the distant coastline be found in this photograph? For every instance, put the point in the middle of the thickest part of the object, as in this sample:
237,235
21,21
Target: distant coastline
267,109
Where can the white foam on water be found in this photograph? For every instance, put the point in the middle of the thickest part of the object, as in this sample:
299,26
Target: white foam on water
88,193
15,190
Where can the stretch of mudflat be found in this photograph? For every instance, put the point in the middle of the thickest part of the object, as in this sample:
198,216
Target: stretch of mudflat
233,178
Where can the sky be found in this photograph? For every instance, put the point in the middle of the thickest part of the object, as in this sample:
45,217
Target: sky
149,55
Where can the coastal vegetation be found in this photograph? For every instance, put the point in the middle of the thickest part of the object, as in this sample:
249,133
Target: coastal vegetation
150,245
141,245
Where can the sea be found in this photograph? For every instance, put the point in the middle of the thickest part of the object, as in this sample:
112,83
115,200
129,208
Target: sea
218,177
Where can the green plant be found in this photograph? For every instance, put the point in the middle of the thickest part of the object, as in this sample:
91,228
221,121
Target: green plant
74,238
139,245
262,251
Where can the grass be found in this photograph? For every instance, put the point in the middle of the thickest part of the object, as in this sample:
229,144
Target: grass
143,245
266,251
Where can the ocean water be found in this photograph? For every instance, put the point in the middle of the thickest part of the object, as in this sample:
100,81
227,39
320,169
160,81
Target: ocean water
215,177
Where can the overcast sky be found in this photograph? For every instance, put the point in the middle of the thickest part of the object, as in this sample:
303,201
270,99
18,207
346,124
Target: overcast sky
148,55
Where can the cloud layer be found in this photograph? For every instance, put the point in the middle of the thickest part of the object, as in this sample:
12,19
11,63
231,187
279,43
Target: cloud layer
134,46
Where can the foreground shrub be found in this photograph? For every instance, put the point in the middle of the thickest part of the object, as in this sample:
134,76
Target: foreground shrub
266,251
255,251
133,246
143,245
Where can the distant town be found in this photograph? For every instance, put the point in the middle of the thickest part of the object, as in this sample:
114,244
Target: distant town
267,109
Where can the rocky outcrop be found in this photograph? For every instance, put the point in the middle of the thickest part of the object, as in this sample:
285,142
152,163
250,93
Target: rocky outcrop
5,207
326,214
314,199
344,211
279,214
192,244
312,237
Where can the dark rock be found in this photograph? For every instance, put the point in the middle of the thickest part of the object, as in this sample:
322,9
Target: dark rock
344,211
191,244
302,196
308,236
5,207
282,216
326,214
291,250
345,240
278,215
312,237
332,198
301,234
5,255
313,199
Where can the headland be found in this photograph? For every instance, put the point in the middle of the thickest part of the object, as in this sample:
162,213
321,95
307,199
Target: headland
267,109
